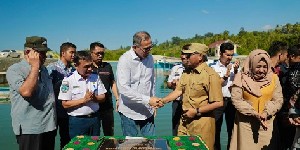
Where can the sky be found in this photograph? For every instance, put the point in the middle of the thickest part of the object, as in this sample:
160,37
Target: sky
114,22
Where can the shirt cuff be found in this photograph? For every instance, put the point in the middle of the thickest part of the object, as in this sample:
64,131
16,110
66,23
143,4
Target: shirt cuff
145,99
292,111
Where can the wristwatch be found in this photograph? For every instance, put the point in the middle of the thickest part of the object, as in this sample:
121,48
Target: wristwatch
225,78
198,112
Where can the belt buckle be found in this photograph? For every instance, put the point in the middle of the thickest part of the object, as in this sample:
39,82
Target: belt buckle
90,115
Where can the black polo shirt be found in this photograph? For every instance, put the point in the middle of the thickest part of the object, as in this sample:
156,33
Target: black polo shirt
106,75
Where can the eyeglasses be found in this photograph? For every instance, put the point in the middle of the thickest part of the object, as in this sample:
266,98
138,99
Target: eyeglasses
147,49
188,55
99,53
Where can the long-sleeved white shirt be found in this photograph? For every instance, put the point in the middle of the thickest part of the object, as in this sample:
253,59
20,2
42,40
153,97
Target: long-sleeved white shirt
136,84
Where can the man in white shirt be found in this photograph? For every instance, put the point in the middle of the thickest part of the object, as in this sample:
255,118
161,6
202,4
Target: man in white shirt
173,79
136,85
80,94
226,70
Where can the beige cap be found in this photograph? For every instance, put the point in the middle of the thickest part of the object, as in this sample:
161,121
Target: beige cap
196,47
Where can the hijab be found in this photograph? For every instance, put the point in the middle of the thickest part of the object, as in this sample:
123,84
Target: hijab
246,79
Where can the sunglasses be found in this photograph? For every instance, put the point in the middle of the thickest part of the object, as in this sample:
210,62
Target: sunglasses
99,53
146,49
188,55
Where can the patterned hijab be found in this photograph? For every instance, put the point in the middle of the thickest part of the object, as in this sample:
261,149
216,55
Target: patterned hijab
246,79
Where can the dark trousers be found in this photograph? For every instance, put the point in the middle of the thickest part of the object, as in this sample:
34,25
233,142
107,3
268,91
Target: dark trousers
176,115
63,129
43,141
286,132
107,121
84,125
229,111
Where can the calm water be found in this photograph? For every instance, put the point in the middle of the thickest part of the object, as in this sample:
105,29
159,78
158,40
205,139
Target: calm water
163,119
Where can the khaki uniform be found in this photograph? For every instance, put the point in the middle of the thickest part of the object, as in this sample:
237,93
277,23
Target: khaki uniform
200,87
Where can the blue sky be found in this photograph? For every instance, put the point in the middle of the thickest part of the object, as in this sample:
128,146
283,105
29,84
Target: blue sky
113,22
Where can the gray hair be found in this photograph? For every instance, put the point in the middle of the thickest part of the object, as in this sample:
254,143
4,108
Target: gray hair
140,36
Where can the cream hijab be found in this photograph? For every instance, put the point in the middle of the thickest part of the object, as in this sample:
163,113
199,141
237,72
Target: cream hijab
245,78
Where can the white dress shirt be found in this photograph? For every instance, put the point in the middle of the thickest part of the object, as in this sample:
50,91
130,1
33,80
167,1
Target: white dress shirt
175,74
136,84
221,70
74,87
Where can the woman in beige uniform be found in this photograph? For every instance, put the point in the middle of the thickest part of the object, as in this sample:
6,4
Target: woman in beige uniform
257,96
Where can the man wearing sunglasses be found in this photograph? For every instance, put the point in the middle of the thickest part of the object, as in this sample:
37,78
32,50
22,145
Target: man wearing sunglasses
202,94
136,84
32,98
173,80
106,74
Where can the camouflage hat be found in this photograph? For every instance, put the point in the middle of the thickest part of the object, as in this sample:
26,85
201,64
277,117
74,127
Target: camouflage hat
37,43
196,47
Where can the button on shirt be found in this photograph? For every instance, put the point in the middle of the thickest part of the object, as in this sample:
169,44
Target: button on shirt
175,74
74,87
221,70
136,84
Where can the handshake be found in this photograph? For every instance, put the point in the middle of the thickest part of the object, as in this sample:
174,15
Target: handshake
156,102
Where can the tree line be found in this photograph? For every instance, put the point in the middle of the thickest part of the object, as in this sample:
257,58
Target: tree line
246,41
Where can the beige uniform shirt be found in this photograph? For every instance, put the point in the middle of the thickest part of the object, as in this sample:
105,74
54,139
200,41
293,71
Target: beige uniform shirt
200,87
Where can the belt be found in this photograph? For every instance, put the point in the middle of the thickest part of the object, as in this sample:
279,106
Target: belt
227,98
92,115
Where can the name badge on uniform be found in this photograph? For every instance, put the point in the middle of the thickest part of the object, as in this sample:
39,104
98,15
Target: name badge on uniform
64,87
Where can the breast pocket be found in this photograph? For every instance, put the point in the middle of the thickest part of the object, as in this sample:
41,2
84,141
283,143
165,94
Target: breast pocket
196,89
77,94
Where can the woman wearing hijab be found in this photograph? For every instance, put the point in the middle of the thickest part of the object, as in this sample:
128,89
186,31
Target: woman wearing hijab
257,96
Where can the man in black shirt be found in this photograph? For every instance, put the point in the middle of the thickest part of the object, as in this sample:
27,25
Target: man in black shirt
105,72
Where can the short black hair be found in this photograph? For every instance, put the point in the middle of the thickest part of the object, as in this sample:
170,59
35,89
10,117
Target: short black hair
94,44
64,47
277,47
82,55
226,46
294,50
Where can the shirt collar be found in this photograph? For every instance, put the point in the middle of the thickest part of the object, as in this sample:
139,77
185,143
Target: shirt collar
133,54
200,67
77,76
220,64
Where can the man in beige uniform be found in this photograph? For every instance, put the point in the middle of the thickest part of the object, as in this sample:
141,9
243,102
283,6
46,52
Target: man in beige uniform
202,93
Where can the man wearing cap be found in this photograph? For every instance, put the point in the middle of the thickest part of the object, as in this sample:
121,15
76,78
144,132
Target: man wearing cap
202,94
173,79
32,98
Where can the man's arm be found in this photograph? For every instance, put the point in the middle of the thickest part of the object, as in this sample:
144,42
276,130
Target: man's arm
30,83
115,89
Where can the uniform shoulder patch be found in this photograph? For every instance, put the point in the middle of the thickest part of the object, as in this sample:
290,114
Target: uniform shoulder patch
64,86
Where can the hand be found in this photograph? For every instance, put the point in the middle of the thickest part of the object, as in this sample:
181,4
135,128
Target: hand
228,70
297,121
174,83
263,121
155,102
189,113
88,96
34,59
236,65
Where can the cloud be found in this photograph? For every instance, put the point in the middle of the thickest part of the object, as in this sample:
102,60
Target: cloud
204,11
267,27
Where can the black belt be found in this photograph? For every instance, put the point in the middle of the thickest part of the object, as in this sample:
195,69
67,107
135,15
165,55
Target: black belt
227,98
92,115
